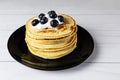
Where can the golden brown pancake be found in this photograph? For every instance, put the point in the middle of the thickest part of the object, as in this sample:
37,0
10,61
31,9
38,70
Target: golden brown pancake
52,43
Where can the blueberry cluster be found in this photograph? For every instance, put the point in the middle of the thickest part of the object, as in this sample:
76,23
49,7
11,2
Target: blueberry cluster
43,19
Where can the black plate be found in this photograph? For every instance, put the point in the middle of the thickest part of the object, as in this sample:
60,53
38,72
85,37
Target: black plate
19,51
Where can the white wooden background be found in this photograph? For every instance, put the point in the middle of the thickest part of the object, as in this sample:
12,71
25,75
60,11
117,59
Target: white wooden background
100,17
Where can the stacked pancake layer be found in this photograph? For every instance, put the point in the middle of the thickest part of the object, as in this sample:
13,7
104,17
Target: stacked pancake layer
52,43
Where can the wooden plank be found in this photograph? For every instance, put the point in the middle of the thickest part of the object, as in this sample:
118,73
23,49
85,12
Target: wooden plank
106,47
104,29
100,18
85,71
102,22
64,6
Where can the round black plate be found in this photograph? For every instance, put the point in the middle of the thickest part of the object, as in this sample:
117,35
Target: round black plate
19,51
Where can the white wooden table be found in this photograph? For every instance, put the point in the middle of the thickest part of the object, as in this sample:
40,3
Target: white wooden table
100,17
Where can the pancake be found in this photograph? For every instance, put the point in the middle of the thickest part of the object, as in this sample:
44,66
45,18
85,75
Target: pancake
54,47
52,43
51,54
63,30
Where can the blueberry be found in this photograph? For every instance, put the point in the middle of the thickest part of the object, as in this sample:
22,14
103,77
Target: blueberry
44,20
41,15
52,14
35,22
60,18
54,23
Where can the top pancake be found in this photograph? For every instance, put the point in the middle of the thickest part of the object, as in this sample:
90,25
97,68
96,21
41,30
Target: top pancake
61,31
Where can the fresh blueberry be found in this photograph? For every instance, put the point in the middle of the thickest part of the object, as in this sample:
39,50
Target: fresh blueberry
60,18
52,14
54,23
44,20
41,15
35,22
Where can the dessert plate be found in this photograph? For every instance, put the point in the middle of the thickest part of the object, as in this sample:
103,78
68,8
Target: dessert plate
19,51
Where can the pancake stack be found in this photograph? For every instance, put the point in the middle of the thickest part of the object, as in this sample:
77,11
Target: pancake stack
51,42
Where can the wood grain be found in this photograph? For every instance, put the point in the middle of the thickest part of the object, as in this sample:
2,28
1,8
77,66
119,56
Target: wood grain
85,71
100,17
